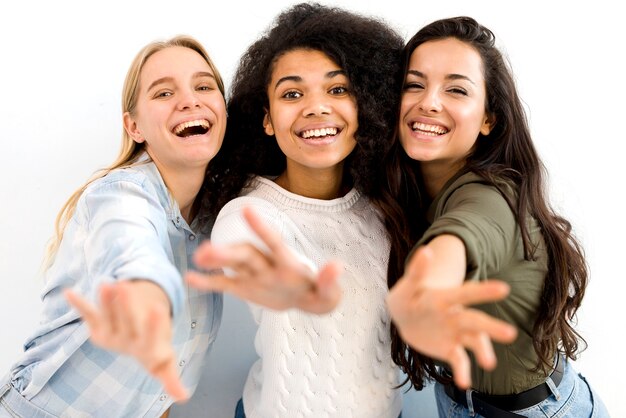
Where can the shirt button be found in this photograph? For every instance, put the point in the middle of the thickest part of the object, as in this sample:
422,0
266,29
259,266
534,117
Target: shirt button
182,363
192,237
193,324
163,397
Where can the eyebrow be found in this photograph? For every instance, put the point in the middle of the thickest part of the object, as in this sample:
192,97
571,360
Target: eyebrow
162,80
448,76
298,79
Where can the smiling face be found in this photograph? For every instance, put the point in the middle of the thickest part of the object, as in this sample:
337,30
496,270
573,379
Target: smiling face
443,106
180,112
311,113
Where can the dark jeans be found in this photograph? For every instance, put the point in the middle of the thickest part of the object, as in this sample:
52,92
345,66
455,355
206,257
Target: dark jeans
239,409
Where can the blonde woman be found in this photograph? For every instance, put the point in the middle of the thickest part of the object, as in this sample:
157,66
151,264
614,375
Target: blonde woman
135,224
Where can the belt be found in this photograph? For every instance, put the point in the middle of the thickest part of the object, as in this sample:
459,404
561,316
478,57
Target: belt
500,405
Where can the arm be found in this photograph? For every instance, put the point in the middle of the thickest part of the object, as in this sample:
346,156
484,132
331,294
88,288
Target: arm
430,304
133,318
430,307
129,271
273,275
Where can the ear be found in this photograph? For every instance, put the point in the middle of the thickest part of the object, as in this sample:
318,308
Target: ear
488,124
267,124
132,129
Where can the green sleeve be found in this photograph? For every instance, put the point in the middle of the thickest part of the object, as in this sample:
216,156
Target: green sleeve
479,215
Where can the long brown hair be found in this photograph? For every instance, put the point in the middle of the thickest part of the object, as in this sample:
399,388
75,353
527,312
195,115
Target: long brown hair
506,153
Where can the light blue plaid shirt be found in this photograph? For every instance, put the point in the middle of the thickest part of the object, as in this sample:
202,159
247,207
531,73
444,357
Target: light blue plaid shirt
126,225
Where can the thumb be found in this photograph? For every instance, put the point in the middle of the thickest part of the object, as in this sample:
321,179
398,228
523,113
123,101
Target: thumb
328,287
419,263
168,375
165,367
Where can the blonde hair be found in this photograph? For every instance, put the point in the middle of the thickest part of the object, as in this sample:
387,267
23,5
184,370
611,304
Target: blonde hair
130,150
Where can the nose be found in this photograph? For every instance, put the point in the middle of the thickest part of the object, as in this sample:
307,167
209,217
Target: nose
188,99
316,105
430,101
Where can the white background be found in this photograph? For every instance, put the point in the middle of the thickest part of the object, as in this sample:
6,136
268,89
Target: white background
62,66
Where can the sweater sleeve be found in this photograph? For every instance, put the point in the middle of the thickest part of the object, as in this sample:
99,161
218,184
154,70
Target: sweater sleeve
479,215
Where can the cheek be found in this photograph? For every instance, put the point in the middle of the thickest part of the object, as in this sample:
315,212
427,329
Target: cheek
218,107
282,118
471,118
408,101
403,134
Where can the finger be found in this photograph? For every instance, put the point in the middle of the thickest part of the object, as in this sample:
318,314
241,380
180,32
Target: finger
244,258
107,301
474,321
243,289
163,367
209,256
128,319
419,263
471,293
210,282
272,239
327,289
460,364
87,310
480,345
327,281
168,375
398,298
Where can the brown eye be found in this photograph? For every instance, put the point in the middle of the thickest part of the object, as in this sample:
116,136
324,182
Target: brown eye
163,94
458,91
339,90
413,86
292,94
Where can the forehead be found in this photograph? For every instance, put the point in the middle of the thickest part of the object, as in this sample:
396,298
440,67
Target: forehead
301,61
173,62
447,56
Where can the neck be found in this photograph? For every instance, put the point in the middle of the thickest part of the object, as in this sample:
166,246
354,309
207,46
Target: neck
184,185
436,175
324,184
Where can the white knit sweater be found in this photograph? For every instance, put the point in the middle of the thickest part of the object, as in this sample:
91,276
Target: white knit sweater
333,365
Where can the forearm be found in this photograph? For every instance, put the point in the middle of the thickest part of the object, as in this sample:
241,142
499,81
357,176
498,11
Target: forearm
449,265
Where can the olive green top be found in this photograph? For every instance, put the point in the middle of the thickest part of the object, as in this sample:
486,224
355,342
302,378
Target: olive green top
469,208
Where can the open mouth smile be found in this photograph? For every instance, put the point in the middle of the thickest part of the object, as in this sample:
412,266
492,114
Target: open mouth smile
191,128
319,133
429,130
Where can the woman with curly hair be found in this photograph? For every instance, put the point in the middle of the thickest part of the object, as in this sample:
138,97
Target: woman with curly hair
312,111
466,161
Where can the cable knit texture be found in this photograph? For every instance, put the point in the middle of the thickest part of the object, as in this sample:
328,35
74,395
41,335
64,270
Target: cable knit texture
333,365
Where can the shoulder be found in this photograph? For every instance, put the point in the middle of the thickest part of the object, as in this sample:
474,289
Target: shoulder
139,181
143,176
473,203
259,205
135,190
230,226
474,193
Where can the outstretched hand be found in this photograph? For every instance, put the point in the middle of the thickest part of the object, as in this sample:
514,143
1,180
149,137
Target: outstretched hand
276,279
438,323
134,318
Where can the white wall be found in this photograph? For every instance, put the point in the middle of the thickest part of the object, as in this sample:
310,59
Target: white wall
62,65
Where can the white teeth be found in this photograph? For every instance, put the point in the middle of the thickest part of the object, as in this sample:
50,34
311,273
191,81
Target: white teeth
319,132
200,122
429,129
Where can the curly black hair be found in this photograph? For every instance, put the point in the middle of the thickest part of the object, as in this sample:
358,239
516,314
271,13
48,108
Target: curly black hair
367,49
